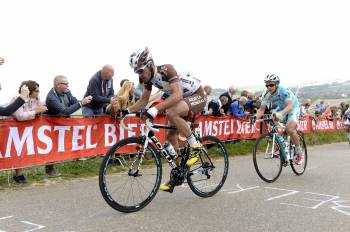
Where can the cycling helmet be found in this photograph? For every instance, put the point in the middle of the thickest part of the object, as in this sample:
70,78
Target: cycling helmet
272,78
140,58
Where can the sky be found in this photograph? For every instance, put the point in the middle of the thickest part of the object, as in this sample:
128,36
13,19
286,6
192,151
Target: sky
221,42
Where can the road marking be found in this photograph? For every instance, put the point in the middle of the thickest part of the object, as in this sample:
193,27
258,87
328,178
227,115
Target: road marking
3,218
242,189
322,202
38,227
341,206
291,192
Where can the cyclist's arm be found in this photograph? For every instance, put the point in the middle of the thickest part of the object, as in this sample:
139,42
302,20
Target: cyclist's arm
260,112
174,98
288,108
142,102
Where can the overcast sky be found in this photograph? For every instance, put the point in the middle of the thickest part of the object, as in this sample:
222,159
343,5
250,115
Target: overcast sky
222,42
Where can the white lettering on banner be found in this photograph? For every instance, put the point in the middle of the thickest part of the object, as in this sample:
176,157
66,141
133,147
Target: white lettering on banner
215,128
77,137
88,138
199,129
45,139
110,132
14,137
121,132
226,127
131,133
208,127
61,132
302,125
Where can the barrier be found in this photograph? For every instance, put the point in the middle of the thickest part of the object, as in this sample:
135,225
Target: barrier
49,139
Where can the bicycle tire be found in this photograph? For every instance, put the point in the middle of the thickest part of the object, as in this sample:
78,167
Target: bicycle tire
299,169
111,174
204,178
272,162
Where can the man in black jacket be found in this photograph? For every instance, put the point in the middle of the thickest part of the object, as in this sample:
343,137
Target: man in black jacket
13,107
60,101
230,95
101,89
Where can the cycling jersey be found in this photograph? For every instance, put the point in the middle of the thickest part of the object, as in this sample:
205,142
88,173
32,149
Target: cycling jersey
279,101
166,74
192,92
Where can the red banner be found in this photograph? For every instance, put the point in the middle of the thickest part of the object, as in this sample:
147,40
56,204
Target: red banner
49,139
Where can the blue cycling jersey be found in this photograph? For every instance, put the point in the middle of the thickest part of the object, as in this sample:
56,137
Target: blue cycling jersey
279,101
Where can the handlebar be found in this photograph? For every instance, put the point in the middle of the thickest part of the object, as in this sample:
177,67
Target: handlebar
149,123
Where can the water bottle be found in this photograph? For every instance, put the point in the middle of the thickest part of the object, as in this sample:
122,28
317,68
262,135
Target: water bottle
170,149
284,148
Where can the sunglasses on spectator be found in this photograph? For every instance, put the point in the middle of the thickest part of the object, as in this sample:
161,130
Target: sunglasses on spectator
270,85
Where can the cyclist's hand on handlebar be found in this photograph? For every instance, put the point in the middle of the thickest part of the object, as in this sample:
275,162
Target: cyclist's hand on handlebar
277,116
151,112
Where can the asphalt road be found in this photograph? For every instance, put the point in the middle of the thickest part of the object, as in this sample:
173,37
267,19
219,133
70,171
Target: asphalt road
319,200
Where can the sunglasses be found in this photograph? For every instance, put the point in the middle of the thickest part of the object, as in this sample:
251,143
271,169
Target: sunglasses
270,85
139,71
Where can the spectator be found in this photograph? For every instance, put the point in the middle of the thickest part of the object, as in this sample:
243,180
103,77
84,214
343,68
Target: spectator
60,101
207,89
252,105
251,96
306,109
343,108
215,106
125,98
244,93
101,89
26,112
11,108
321,107
237,108
122,82
347,122
230,96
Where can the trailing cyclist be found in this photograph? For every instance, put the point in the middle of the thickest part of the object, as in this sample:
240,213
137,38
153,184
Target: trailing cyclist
185,93
285,107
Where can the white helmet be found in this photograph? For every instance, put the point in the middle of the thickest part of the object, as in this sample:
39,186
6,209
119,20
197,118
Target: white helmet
140,58
272,78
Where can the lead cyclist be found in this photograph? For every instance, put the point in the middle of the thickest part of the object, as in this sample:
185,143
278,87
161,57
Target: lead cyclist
185,95
286,107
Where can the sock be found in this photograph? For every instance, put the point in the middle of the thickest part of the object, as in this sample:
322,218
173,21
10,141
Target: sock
298,150
349,135
192,140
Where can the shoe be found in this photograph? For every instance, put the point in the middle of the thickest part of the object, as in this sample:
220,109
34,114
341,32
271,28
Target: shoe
168,187
20,179
299,158
52,173
194,157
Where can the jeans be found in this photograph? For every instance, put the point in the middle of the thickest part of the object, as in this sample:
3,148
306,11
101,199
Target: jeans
91,112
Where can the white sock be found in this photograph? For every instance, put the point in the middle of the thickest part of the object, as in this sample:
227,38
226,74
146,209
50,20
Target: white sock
192,140
349,135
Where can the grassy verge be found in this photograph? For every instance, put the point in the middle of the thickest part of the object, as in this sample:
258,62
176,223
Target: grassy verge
74,169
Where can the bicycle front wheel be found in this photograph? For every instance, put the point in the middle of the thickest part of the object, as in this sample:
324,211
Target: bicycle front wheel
267,158
298,169
208,175
129,179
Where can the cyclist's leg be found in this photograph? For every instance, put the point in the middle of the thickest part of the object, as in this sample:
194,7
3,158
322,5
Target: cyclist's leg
291,128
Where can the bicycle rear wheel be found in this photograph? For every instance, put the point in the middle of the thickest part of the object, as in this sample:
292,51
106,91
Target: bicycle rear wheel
298,169
208,175
267,159
128,178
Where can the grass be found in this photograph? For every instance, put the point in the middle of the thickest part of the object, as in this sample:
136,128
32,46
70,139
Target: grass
88,168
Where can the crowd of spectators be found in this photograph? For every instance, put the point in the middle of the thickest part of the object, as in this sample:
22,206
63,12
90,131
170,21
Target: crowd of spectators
100,99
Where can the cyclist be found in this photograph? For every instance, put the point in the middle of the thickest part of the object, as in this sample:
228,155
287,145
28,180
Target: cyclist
285,107
185,95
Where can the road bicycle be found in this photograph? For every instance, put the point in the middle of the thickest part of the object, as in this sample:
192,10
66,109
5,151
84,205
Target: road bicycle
131,171
271,153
